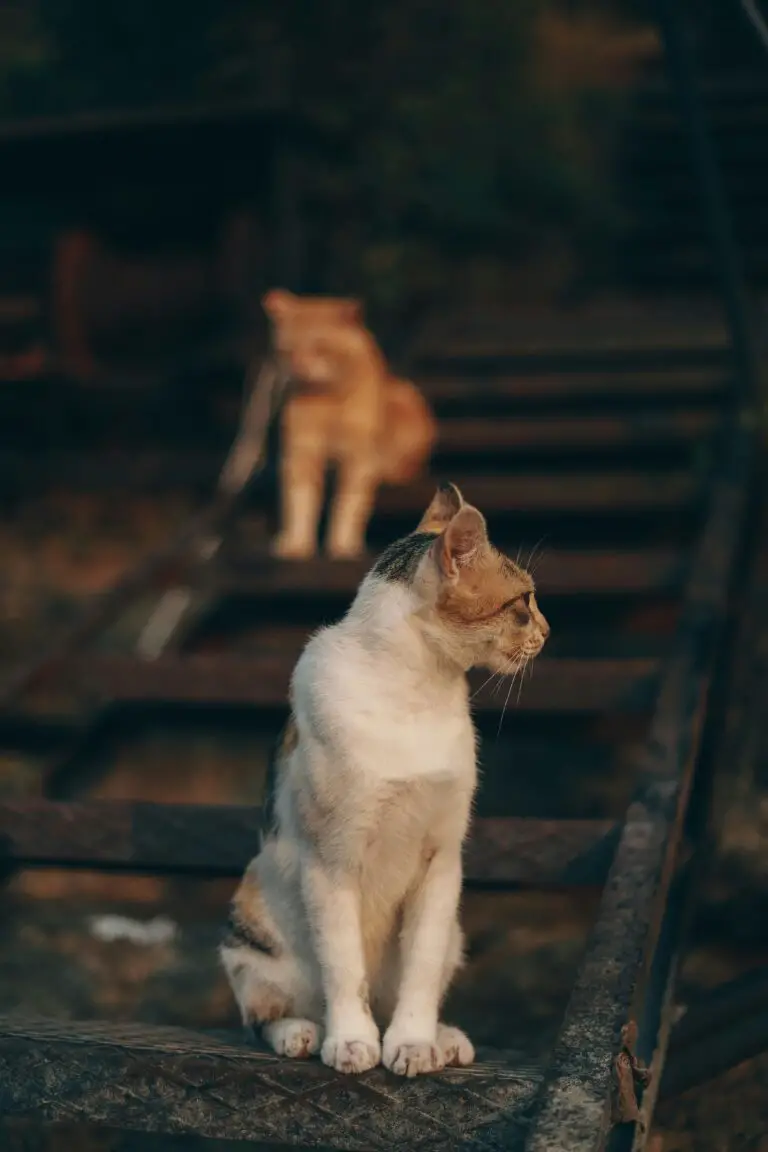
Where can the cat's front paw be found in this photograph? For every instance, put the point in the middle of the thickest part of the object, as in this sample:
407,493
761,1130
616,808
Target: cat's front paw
351,1055
406,1057
458,1049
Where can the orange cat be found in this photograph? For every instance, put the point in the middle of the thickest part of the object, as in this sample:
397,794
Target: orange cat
343,410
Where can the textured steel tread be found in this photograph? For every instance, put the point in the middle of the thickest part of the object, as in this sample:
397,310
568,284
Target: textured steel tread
176,1080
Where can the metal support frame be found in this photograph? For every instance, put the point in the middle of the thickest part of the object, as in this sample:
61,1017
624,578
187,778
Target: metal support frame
574,1111
726,254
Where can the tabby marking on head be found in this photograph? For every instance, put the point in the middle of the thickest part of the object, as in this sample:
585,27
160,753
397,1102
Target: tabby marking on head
401,560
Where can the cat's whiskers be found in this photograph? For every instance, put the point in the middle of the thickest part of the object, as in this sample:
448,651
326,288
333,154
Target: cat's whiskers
534,550
509,693
513,665
526,662
534,568
484,684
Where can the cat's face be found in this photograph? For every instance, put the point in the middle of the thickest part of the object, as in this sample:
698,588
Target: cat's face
313,361
298,320
483,604
307,331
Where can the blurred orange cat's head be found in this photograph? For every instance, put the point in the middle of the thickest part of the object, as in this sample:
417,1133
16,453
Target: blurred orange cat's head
313,362
295,319
312,332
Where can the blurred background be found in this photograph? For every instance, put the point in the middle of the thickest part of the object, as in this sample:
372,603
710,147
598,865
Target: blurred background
512,177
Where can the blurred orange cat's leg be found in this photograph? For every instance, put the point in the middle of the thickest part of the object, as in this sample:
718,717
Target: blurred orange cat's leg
302,483
352,506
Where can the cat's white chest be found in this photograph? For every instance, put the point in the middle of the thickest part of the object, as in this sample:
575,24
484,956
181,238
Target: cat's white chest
407,743
394,726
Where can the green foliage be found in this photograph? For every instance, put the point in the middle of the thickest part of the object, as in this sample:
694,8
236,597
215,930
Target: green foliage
25,53
444,139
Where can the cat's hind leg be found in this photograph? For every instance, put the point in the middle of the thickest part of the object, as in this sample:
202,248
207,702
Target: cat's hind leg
274,991
352,506
268,988
302,481
293,1038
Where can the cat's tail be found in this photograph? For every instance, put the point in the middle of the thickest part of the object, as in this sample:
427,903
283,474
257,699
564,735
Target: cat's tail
410,432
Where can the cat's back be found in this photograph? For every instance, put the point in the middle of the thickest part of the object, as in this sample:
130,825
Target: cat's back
409,431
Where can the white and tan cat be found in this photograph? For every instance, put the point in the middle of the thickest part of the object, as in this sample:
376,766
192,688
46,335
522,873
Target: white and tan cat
347,920
344,411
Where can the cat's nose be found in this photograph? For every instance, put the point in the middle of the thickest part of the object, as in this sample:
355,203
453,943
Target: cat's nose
544,628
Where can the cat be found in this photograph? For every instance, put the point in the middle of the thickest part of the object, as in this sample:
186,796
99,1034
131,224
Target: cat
347,919
343,410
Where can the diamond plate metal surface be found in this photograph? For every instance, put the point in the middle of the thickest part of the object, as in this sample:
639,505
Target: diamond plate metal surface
171,1080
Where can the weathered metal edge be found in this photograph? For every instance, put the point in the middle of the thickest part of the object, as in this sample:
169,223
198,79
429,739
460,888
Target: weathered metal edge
573,1114
730,1024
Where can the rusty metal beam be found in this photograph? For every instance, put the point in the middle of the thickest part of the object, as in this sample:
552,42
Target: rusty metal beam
637,430
635,384
220,839
575,1102
556,685
575,493
720,1050
724,1028
159,566
120,470
165,116
188,466
558,573
673,337
504,850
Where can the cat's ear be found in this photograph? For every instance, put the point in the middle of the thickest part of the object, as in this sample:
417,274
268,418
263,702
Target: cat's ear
462,541
446,502
277,303
351,311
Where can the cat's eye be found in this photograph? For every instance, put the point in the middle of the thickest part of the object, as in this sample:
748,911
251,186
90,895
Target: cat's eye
521,601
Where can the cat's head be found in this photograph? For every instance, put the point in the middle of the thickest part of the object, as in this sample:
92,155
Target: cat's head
311,332
297,319
479,606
